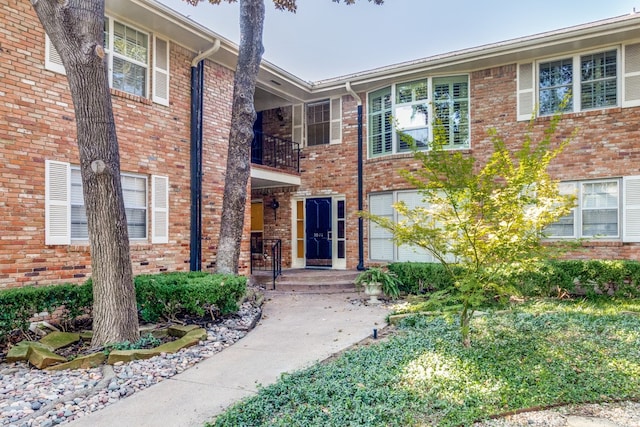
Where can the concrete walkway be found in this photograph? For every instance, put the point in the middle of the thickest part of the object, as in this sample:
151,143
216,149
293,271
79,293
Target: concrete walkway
296,330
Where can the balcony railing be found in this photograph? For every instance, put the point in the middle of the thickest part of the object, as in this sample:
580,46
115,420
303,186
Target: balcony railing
269,150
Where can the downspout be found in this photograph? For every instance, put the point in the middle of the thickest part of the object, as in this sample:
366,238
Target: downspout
197,97
360,179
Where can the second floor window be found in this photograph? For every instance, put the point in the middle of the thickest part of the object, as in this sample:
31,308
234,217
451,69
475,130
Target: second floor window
318,123
128,51
413,108
590,80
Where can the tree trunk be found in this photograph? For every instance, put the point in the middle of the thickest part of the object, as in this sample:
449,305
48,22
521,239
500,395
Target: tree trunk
465,325
75,28
239,154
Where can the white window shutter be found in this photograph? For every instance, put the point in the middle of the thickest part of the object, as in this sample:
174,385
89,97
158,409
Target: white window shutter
631,209
631,75
57,208
298,124
336,121
52,60
160,71
160,209
526,91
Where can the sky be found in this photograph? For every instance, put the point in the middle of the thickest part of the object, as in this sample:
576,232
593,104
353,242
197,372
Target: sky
325,39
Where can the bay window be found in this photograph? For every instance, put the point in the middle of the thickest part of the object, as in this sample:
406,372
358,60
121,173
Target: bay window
411,109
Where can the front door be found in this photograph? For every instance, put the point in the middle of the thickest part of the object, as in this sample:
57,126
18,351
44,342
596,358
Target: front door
318,232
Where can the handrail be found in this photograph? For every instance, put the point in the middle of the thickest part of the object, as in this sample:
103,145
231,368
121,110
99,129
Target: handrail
261,251
275,152
276,261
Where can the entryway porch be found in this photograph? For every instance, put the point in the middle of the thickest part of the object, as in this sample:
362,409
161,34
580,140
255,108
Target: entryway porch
307,280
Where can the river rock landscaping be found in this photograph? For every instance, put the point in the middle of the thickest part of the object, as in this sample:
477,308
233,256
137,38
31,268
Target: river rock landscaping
41,398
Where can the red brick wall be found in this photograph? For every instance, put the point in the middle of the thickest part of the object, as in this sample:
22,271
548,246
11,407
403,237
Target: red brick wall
606,144
37,124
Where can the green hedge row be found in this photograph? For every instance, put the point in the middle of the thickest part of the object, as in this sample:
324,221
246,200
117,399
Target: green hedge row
166,295
549,278
158,296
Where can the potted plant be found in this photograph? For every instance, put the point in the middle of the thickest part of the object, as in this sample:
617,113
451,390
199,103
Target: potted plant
377,281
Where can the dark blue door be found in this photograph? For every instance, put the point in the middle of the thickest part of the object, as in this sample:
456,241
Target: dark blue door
318,232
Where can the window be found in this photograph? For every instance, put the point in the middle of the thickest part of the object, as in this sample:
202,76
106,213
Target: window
321,123
318,123
597,211
381,245
594,77
451,104
380,131
556,81
128,53
65,217
134,192
128,57
412,107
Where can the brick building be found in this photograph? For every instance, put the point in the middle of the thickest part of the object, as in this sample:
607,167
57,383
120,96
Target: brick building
322,150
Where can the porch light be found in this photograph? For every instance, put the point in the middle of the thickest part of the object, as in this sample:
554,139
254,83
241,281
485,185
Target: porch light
275,205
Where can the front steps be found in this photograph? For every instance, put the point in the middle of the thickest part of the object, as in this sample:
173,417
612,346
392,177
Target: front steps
309,280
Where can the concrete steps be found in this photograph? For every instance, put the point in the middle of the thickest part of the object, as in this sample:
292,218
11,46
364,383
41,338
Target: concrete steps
310,280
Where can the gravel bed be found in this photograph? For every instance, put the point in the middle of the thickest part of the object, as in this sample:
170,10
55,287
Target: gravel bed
34,398
614,414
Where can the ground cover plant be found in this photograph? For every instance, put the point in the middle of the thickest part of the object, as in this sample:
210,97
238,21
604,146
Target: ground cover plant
536,354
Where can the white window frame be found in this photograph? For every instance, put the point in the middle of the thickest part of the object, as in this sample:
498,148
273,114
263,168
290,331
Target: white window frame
58,206
311,122
395,105
576,83
381,238
111,54
299,131
161,72
139,207
578,211
145,207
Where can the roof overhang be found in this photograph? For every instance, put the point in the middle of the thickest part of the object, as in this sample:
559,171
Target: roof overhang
584,37
277,87
274,86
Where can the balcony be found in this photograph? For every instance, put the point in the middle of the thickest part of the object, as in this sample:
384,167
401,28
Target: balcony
275,162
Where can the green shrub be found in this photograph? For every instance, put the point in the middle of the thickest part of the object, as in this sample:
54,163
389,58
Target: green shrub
421,277
158,296
166,295
551,278
21,304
